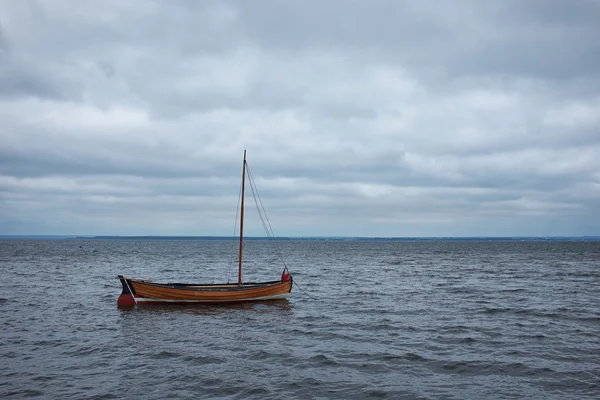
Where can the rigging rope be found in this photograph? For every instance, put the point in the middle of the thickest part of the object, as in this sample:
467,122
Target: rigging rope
302,290
265,219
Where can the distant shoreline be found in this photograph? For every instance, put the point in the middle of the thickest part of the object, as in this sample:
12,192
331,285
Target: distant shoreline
320,238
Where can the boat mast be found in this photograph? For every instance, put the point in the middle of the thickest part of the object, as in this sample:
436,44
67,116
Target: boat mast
242,222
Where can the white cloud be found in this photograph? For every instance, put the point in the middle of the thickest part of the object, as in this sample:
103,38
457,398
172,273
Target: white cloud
392,118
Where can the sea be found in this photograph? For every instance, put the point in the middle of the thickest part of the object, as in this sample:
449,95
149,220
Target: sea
368,319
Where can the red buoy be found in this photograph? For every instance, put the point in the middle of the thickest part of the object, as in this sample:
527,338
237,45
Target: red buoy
126,301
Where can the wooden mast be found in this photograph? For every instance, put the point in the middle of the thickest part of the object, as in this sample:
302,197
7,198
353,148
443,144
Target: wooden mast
242,222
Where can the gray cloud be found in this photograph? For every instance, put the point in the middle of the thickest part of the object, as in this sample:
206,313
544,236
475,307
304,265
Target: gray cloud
389,118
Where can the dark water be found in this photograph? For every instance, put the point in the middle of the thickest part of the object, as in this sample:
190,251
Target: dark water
421,319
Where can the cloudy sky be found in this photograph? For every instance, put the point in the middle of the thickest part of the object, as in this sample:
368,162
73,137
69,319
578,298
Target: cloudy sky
361,118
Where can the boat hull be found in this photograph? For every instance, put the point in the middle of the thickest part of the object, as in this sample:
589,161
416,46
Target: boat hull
136,291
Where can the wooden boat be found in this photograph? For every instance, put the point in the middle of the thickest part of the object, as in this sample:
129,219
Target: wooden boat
139,291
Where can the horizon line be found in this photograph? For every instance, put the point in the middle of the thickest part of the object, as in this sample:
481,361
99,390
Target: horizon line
335,237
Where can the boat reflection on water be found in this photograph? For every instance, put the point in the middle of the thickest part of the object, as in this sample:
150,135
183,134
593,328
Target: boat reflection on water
256,307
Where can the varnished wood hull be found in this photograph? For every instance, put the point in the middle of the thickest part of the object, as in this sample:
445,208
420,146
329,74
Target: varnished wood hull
137,291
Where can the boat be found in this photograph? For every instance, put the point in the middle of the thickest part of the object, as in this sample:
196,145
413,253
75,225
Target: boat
141,291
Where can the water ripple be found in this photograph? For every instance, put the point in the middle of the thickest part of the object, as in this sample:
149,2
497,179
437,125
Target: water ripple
406,320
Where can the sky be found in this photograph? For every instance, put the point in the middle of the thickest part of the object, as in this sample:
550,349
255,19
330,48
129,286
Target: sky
360,118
